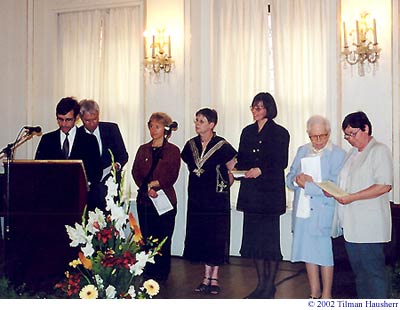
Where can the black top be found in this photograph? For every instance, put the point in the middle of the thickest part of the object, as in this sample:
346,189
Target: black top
209,184
267,150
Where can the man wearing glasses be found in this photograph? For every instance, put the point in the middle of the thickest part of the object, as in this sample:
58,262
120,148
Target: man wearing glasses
68,143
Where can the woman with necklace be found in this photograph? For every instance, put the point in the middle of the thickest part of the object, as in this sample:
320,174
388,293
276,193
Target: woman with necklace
209,159
312,214
263,154
156,167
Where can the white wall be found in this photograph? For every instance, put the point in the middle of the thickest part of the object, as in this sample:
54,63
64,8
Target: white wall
14,71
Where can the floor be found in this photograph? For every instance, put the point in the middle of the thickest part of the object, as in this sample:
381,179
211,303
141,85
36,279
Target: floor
238,279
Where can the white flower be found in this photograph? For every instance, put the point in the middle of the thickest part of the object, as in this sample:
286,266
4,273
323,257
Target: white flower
142,259
96,221
152,287
112,188
131,291
120,218
77,235
88,248
110,203
99,281
89,292
111,292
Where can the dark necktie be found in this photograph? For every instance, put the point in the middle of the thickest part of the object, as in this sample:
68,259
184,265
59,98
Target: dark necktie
65,147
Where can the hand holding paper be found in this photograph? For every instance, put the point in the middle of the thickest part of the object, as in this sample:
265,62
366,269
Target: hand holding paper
332,189
162,203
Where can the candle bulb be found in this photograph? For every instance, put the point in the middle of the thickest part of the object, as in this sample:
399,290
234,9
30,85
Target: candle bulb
375,37
344,35
358,33
145,47
153,52
169,46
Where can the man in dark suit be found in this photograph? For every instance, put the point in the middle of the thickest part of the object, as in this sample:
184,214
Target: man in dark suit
109,138
67,142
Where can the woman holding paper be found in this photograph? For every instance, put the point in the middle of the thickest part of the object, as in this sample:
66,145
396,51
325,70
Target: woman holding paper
263,154
209,159
363,216
319,160
155,171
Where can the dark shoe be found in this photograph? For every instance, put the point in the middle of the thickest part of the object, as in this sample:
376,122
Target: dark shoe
271,293
214,289
203,288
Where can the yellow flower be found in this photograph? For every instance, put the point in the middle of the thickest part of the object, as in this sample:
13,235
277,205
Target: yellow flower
89,292
75,263
151,287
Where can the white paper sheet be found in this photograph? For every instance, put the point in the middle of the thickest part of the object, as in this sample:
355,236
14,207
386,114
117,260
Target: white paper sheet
332,188
238,173
312,167
106,172
162,203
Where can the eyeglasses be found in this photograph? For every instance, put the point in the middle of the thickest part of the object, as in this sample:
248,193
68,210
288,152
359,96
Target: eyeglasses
257,109
60,119
349,135
318,137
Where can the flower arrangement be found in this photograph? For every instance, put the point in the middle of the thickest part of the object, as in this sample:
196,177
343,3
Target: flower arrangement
113,253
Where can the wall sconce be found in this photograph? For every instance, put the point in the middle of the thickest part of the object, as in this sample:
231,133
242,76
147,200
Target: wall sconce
160,50
363,43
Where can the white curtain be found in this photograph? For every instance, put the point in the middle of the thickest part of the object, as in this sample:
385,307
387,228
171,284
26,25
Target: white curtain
79,61
305,78
240,65
100,60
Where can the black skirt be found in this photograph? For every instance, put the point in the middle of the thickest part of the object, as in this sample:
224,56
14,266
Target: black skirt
261,237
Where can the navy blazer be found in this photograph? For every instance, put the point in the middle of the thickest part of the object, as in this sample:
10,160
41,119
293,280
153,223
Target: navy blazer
111,139
269,151
84,147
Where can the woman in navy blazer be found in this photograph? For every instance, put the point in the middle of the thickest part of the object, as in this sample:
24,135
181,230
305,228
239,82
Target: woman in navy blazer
263,153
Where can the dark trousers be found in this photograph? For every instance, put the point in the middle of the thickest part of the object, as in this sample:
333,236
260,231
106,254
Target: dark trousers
157,226
97,197
368,263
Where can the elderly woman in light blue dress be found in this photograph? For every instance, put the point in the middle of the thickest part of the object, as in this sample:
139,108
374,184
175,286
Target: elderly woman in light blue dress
317,161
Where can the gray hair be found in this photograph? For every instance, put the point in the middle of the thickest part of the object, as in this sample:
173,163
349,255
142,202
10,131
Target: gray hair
318,119
88,106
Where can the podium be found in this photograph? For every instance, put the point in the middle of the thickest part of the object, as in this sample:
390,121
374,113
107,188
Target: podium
44,196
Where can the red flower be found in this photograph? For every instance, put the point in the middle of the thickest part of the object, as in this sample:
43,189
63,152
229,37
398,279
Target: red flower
104,235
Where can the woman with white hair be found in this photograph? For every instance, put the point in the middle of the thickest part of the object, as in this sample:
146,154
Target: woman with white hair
317,161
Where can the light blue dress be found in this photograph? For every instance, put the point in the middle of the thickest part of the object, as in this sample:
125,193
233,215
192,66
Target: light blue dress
312,241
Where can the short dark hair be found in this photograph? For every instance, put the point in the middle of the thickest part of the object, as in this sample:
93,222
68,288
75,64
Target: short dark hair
268,102
357,120
67,104
210,114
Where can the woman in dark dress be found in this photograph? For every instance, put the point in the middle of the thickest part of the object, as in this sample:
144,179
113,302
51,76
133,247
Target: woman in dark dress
209,159
156,167
263,153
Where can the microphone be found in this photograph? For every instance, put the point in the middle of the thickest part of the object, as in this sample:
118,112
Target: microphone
31,129
172,127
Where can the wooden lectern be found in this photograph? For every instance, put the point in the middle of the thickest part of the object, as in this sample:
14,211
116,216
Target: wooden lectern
44,196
